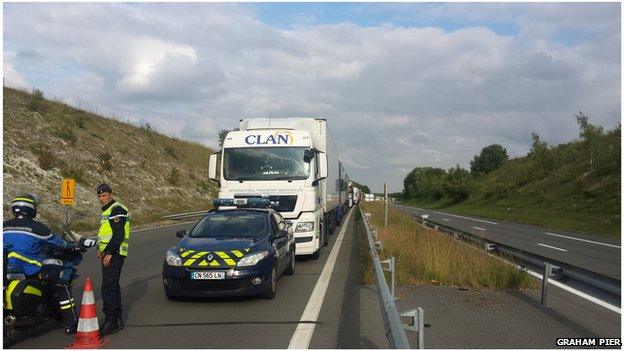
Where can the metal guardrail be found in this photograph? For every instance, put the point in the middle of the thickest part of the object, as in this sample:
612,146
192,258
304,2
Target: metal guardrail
391,318
559,269
185,215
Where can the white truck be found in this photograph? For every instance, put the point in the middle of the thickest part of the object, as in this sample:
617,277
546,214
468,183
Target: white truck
295,163
354,195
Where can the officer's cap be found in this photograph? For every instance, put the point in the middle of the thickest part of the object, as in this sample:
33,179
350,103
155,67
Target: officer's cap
104,188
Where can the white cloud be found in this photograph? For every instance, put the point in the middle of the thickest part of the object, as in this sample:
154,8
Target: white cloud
395,97
12,77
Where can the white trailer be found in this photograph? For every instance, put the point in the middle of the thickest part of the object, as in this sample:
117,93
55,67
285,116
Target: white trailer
354,197
295,163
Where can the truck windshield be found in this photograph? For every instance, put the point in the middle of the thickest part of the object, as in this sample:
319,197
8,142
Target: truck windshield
265,163
231,224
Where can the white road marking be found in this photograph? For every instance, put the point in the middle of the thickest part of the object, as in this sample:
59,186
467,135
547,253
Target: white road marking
578,293
447,220
552,247
474,219
303,334
585,240
479,228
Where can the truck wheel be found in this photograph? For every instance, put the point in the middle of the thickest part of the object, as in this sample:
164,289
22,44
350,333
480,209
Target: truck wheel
317,254
324,236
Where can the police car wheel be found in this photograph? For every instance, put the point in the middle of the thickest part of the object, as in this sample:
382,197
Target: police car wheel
173,298
291,267
271,286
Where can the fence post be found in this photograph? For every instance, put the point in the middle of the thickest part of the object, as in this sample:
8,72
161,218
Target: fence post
393,267
386,204
421,327
545,284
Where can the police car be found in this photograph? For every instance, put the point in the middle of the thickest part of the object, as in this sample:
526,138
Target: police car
240,248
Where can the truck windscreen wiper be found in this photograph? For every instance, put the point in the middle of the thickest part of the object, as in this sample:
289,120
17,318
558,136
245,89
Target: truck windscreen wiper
289,178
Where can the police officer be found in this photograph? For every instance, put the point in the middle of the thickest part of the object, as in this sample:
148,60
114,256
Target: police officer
29,242
113,238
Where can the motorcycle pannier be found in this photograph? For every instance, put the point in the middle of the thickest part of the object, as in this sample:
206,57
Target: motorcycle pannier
24,297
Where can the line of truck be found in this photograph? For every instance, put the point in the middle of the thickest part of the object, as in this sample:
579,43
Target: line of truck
295,163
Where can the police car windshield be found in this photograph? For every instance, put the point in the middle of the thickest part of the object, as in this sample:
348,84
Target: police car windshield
265,163
231,224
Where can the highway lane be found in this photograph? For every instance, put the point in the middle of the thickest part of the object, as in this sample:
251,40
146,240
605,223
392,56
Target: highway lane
152,321
595,254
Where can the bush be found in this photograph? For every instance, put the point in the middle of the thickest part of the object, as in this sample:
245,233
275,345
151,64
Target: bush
105,161
456,184
203,186
37,102
80,121
97,136
66,134
74,172
169,150
46,159
174,176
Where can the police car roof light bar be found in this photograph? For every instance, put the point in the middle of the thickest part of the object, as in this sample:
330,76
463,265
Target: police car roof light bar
246,202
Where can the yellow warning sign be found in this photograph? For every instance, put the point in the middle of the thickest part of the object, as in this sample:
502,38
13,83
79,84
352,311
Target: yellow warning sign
68,191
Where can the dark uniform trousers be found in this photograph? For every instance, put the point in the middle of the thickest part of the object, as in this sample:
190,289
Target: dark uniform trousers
111,292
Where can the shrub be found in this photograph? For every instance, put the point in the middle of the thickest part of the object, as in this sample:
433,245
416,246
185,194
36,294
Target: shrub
105,161
80,121
66,134
74,172
456,184
97,136
37,102
46,159
169,150
203,186
174,176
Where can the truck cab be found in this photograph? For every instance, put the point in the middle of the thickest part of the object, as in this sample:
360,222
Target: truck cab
288,161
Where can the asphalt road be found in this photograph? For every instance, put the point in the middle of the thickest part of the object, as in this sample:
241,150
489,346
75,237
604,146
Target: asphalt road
152,321
594,254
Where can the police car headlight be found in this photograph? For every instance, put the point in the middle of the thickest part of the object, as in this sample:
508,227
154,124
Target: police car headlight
304,227
173,259
253,259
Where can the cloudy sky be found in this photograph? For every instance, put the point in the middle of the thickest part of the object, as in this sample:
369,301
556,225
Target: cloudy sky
401,84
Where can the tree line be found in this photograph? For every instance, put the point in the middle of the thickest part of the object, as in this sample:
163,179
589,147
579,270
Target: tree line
598,151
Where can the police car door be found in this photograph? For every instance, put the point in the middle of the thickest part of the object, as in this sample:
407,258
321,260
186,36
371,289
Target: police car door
280,244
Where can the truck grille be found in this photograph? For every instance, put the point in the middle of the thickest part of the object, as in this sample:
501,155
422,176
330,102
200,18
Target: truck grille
286,203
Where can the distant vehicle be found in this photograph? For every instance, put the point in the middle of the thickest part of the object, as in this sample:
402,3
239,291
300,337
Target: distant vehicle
240,248
293,162
354,195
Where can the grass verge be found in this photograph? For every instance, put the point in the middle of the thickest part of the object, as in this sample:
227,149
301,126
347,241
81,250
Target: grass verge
424,256
528,214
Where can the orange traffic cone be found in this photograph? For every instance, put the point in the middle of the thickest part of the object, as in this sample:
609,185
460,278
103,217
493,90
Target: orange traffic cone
88,333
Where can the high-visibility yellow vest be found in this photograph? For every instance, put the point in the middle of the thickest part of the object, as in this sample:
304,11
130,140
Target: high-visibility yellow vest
106,231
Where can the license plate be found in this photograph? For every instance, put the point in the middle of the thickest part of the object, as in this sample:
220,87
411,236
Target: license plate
212,275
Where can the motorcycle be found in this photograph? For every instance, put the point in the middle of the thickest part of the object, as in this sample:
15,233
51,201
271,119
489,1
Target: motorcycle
28,301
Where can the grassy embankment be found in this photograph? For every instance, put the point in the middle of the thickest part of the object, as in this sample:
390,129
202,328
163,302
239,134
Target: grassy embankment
573,186
45,141
424,256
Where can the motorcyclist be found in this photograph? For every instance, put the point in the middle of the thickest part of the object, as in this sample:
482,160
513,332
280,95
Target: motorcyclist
30,242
